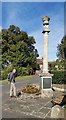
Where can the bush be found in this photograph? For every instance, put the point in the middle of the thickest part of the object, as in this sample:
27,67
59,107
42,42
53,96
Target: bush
59,77
20,71
24,71
4,74
6,71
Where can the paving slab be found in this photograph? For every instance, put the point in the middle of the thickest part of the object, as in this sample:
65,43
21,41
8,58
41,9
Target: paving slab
27,106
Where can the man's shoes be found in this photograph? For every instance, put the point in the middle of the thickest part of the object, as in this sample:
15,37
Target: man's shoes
11,96
15,96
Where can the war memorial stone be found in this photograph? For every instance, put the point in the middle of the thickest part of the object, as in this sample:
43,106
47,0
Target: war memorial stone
46,77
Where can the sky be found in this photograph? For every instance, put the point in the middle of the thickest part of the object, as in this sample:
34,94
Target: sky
28,17
33,0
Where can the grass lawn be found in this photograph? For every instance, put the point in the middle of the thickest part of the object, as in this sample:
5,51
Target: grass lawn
18,78
23,77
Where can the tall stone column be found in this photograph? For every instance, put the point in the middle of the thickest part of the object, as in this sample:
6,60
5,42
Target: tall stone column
46,77
45,53
45,32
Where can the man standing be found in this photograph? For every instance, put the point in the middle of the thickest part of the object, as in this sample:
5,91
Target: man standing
11,79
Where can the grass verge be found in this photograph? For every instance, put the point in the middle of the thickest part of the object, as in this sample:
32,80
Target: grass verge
18,78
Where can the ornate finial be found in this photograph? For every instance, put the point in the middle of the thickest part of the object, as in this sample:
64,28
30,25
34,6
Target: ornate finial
45,18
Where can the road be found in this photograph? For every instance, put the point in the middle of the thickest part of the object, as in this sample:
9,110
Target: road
5,87
11,108
19,84
33,107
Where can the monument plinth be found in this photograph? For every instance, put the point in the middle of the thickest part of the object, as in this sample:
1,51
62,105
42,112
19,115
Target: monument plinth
46,77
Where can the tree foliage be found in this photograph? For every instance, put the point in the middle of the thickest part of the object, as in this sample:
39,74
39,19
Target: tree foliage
61,49
61,54
18,48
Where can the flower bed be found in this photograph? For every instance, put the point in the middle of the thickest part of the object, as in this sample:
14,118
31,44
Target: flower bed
31,89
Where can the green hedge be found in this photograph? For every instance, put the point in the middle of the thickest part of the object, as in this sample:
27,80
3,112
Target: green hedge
59,77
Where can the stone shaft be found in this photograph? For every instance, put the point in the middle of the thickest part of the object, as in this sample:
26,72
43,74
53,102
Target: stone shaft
45,32
45,52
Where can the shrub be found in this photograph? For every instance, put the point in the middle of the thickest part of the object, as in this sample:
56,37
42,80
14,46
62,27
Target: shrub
5,71
20,71
58,77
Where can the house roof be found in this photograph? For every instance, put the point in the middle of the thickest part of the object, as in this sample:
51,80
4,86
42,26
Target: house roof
40,61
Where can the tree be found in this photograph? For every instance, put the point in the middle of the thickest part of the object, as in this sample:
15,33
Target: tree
18,48
61,54
61,49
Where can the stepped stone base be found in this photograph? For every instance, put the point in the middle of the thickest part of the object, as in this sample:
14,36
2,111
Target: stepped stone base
46,93
46,74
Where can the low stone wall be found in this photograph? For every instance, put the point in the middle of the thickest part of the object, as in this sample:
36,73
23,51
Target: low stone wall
60,87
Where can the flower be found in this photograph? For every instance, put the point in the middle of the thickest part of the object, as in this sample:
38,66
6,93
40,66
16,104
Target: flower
30,88
34,85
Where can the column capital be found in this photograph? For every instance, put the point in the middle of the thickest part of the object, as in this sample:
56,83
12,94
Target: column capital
45,20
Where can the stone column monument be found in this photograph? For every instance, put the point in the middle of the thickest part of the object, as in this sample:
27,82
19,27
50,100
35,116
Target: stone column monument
46,77
45,33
